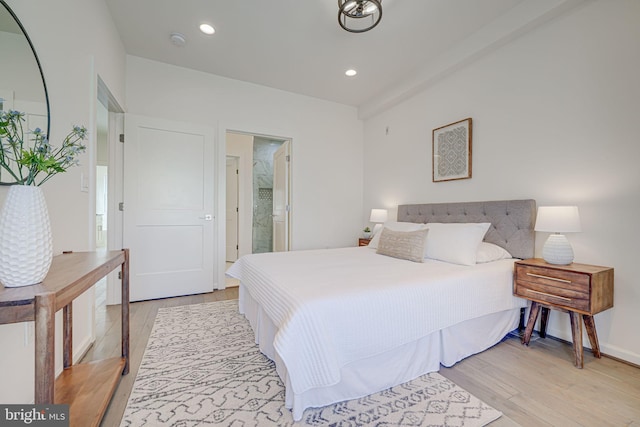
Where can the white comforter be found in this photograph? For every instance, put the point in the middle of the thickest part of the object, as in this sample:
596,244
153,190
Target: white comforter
336,306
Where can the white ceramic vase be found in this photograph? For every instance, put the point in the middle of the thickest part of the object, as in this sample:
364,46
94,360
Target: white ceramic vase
25,237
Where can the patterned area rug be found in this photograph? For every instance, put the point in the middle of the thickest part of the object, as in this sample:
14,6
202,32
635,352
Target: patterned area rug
202,367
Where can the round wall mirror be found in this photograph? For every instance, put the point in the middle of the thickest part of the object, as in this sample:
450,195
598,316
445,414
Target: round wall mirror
22,85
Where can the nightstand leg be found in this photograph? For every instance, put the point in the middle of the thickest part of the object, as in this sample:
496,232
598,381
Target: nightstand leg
576,332
543,322
533,316
590,325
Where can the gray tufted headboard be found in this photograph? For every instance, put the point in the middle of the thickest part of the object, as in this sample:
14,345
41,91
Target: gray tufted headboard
512,221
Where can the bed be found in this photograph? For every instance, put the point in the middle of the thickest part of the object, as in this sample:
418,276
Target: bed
345,323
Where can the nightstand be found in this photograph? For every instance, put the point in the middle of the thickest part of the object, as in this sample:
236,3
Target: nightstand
581,290
363,242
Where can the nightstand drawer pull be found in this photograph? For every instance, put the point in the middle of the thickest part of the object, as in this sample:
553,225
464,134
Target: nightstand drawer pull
549,295
550,278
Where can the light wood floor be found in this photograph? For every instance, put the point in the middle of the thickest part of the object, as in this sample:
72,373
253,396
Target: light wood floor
531,386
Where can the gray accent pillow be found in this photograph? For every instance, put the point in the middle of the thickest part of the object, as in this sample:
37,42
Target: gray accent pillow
407,245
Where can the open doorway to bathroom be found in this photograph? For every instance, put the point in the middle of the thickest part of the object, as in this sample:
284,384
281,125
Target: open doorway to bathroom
261,192
264,150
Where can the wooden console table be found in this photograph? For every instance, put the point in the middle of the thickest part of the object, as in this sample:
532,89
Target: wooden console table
86,387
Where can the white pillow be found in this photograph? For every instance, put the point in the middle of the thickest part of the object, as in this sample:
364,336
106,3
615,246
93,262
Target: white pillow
395,226
488,252
456,243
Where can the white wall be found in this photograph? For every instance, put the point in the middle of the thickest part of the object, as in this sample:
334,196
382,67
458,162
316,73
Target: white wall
326,140
75,41
19,71
555,119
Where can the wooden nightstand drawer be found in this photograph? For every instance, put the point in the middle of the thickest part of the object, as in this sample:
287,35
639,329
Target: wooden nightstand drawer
552,295
585,288
558,278
363,241
562,288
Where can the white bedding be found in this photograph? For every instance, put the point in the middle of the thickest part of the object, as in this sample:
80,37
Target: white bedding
333,308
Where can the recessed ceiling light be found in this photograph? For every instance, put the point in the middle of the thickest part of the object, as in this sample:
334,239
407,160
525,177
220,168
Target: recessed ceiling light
207,29
350,73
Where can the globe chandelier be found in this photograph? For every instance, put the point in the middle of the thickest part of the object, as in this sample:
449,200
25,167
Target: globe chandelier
358,16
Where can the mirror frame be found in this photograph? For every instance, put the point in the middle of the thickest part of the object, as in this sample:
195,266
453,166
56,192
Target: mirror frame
35,55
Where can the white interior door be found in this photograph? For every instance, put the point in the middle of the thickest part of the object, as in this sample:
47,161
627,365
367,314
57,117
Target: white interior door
281,198
232,209
168,207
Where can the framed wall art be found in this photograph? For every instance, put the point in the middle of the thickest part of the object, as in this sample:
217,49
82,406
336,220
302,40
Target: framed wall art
451,151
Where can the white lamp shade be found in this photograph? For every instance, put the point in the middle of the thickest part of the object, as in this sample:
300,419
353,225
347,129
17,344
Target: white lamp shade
558,219
378,215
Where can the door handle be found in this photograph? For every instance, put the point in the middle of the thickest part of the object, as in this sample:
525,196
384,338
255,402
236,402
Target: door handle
207,217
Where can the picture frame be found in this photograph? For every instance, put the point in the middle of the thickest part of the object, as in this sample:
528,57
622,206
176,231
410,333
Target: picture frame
451,151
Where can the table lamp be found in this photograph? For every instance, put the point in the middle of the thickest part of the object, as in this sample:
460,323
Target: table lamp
557,220
378,216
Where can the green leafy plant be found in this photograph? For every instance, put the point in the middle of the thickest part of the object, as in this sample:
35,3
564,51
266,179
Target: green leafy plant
367,230
34,162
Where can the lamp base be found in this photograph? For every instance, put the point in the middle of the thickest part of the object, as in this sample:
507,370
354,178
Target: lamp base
376,228
557,250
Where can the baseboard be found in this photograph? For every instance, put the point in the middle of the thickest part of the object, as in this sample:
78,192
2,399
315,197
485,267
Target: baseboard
79,352
609,350
620,354
82,349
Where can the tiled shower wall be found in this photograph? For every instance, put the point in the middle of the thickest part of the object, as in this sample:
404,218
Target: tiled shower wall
263,150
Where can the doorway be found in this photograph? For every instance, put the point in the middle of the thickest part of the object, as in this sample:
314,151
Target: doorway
264,150
263,193
108,185
102,176
232,208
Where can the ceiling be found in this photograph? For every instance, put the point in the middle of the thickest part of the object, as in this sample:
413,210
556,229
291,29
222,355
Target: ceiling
298,46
